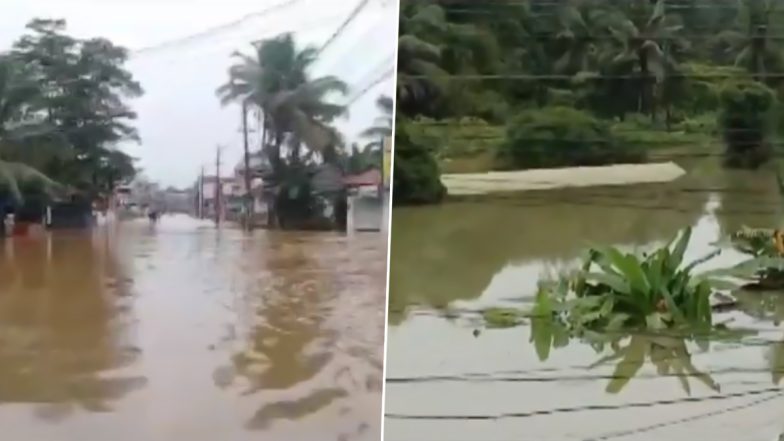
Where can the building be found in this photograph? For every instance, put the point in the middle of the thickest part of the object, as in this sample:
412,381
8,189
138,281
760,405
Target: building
367,201
209,196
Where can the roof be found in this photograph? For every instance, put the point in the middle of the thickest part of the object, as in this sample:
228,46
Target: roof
370,177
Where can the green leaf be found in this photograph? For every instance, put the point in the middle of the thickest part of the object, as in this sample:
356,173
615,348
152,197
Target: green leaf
672,307
542,336
628,367
680,248
615,282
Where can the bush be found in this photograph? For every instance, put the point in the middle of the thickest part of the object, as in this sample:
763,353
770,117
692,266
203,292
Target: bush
417,178
562,136
746,120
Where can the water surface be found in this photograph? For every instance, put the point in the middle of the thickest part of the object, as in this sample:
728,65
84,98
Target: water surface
451,260
182,332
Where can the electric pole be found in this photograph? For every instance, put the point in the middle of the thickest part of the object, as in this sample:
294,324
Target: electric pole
218,189
201,194
248,194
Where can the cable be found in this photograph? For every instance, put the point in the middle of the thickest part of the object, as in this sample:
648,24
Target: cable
474,77
588,408
389,73
690,419
351,17
217,29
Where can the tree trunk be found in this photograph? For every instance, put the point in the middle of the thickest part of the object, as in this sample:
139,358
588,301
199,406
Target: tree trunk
248,193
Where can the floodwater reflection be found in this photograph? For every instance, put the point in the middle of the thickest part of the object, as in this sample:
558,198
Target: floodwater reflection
451,261
181,331
62,324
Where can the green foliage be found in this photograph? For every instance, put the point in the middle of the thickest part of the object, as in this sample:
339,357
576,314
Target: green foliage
562,136
615,60
764,267
502,317
63,106
457,137
614,291
417,179
18,180
745,120
296,113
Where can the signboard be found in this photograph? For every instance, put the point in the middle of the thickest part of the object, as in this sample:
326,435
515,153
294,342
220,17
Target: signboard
387,160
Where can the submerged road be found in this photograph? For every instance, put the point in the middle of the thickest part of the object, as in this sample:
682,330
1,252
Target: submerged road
184,332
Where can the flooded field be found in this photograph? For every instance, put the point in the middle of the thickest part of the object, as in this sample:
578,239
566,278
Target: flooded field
448,375
182,332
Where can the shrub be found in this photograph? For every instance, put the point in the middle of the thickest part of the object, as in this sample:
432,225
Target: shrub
562,136
417,178
746,120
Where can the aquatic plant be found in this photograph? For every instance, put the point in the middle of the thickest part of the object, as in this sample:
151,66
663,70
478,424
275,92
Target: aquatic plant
764,269
614,291
765,247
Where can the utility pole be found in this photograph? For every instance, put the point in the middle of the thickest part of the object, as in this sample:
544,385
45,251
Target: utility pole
201,194
218,189
248,195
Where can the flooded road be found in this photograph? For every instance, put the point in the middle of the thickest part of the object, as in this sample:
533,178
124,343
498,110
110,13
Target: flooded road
182,332
450,261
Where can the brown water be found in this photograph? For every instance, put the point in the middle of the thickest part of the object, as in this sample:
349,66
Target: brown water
451,260
182,332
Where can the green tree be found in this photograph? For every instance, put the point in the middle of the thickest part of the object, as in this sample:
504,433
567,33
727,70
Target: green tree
751,42
17,93
84,89
382,128
295,109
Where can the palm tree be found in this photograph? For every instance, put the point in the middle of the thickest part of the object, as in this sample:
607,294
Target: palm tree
419,75
382,127
293,107
644,43
276,81
751,43
579,36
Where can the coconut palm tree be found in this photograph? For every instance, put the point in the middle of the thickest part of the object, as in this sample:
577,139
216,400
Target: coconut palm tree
294,108
419,74
751,43
382,127
276,81
579,36
644,37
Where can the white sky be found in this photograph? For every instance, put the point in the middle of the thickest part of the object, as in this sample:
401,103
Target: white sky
180,119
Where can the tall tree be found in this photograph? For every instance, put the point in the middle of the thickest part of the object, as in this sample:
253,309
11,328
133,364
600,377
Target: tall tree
84,89
751,42
17,97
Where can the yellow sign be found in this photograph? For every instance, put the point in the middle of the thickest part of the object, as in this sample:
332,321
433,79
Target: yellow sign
387,160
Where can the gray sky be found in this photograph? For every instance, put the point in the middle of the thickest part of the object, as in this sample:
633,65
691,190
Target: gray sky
180,119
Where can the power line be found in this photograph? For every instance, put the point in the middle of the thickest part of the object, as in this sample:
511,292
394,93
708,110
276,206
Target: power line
343,26
587,408
590,76
217,29
388,73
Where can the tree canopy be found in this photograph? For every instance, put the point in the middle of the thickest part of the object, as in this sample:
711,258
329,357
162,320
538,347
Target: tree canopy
64,108
652,70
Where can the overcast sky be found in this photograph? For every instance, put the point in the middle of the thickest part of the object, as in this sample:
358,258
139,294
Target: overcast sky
180,119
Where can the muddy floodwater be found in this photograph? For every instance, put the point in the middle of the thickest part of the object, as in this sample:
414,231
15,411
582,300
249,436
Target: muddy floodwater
444,378
182,332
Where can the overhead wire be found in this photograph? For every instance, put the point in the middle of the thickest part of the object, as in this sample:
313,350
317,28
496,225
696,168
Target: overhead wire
343,26
587,408
279,7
